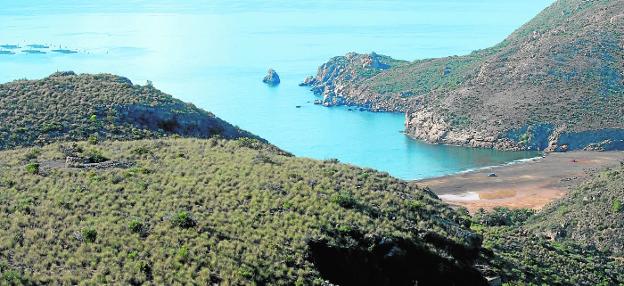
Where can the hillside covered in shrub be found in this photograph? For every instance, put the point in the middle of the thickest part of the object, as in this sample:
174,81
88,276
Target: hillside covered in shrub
234,210
230,212
592,214
66,106
521,256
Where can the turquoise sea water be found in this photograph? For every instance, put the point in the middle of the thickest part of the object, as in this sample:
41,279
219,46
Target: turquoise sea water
215,53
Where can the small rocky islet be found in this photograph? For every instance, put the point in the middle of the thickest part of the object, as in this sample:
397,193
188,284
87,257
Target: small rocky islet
271,78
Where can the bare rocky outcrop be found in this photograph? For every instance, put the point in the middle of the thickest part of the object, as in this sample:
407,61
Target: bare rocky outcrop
83,163
74,162
271,78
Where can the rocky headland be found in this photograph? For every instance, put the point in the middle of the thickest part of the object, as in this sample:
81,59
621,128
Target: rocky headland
555,84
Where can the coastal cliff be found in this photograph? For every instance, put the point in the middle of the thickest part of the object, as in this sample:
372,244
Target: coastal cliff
555,84
338,81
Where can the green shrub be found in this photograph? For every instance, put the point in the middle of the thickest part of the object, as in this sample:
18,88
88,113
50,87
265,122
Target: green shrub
287,205
93,176
95,156
617,206
140,151
248,143
344,229
33,154
49,127
25,205
183,254
415,205
524,138
262,159
13,277
136,226
183,219
502,216
344,199
89,234
93,140
136,171
32,168
246,272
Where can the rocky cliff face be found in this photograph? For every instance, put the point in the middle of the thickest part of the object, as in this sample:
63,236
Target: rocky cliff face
337,81
555,84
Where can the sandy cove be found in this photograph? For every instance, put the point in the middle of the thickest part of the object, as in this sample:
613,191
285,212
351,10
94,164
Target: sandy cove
530,184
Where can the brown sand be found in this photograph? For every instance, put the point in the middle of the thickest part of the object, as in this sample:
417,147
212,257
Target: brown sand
530,184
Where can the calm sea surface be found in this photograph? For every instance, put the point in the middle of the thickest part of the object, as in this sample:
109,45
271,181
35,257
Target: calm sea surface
215,53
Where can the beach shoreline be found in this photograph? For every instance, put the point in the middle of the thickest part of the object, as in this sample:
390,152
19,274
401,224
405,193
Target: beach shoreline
527,184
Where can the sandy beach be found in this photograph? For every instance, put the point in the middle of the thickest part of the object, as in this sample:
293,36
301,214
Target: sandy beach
529,184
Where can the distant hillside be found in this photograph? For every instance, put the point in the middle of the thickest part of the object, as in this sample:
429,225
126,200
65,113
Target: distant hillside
66,106
219,212
557,83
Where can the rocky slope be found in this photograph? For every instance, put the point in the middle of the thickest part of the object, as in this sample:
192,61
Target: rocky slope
66,106
555,84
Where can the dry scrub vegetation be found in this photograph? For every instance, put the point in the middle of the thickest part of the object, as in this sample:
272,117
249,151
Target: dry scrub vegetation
200,211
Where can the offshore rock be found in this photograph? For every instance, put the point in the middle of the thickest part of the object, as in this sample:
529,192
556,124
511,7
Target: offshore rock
272,78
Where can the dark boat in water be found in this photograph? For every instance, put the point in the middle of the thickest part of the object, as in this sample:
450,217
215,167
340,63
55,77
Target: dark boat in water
35,52
38,46
10,47
64,51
